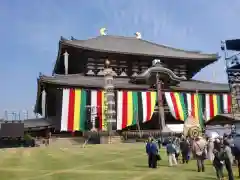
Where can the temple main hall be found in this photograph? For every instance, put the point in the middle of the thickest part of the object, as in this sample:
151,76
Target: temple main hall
126,83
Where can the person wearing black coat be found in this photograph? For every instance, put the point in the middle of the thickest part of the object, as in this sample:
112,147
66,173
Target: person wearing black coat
218,161
185,150
152,152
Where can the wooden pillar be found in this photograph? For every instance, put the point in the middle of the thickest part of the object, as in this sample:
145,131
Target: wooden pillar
66,55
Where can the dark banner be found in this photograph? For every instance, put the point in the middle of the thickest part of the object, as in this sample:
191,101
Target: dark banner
12,130
233,44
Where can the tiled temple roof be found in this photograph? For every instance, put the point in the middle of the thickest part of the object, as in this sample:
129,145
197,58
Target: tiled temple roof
134,46
37,123
124,83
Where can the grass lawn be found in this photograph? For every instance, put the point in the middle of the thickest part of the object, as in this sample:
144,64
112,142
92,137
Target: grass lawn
94,162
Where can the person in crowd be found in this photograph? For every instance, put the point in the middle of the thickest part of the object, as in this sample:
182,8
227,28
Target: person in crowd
185,150
221,138
159,141
228,158
230,140
171,152
176,143
152,152
218,161
210,147
199,151
236,153
148,147
190,147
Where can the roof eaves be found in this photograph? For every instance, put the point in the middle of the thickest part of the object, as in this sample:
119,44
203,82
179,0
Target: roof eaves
200,90
206,82
56,81
58,56
211,86
212,57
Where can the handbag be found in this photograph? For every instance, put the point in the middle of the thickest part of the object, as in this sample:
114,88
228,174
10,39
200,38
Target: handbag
203,154
158,157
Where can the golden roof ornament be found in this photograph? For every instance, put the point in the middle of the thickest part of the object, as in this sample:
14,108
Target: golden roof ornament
138,35
103,31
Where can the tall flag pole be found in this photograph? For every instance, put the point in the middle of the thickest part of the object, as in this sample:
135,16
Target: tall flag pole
160,103
197,103
200,110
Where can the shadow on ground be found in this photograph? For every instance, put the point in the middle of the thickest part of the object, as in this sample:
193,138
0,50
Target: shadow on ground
204,178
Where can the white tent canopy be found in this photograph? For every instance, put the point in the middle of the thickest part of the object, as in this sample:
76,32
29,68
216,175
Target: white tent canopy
212,134
177,128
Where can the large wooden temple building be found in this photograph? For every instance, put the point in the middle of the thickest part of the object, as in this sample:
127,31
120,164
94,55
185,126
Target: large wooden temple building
114,80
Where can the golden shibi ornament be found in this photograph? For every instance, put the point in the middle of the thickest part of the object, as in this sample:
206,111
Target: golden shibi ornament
103,31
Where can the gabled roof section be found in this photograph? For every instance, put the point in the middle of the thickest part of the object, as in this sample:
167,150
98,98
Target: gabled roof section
124,83
202,86
34,123
134,46
88,81
37,123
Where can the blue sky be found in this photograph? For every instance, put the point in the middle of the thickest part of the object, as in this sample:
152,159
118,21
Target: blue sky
30,31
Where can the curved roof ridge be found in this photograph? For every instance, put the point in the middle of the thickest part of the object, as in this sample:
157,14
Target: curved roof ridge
150,42
68,75
207,82
178,49
65,76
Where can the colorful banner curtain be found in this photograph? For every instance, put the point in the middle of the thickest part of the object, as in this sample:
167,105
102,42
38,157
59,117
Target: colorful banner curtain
79,105
217,104
195,107
202,107
133,106
74,114
177,105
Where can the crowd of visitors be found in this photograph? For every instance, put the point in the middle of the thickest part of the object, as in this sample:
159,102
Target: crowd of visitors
221,152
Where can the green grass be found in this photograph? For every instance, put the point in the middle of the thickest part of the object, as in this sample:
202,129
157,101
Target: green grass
94,162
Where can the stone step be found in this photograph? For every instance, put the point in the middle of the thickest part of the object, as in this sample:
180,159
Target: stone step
66,142
115,140
110,139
